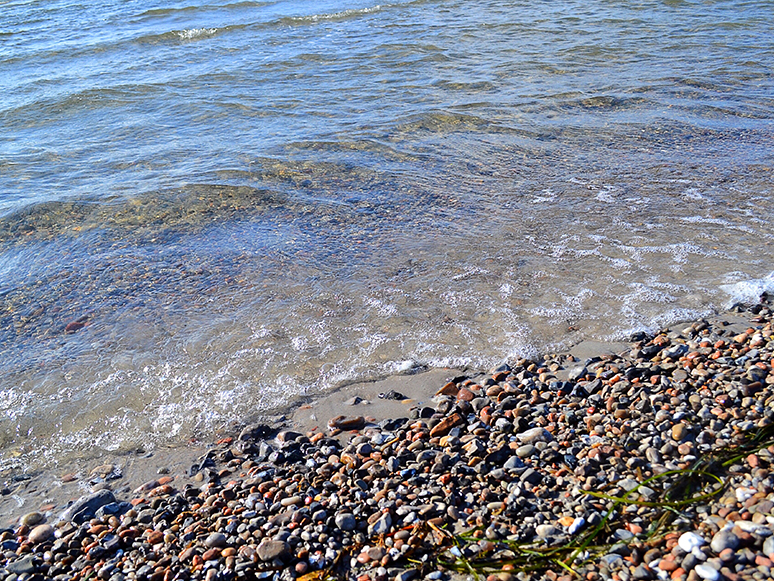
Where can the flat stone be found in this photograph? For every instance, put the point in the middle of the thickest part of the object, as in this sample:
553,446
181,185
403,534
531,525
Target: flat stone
216,539
609,559
628,484
576,373
86,506
270,549
24,565
531,476
382,525
406,575
445,425
643,573
546,531
345,423
288,436
535,435
31,519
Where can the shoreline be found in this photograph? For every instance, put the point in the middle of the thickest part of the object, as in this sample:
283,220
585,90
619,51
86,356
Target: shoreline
441,453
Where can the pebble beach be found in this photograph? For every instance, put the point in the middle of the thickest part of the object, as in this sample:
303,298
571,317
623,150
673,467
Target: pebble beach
652,462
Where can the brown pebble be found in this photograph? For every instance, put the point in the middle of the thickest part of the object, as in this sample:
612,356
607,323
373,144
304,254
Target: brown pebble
448,389
465,394
346,423
41,534
668,565
762,561
679,432
445,425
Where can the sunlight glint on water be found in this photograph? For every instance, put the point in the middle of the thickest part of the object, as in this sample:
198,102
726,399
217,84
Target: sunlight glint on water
210,211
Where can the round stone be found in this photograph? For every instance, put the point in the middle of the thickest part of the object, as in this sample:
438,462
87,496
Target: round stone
346,521
723,540
41,534
545,531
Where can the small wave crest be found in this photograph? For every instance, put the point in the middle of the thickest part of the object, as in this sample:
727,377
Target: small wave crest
184,35
341,15
193,33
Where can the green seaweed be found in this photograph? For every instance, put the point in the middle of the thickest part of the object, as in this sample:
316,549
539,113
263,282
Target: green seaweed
707,478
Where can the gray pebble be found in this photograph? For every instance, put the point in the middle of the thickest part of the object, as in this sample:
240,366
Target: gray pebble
535,435
216,540
768,547
270,549
346,521
382,525
724,539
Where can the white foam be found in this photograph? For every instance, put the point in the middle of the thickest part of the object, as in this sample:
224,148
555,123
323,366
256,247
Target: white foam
548,196
192,33
693,194
384,309
748,291
401,366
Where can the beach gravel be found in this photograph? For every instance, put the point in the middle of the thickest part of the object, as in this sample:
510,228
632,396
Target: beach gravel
497,470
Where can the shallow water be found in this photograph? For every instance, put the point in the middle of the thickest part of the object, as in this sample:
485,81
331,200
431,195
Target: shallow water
208,211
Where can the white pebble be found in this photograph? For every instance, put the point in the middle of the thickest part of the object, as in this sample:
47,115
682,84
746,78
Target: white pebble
743,493
706,572
690,541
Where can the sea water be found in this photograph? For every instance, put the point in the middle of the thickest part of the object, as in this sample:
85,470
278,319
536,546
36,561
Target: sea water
211,210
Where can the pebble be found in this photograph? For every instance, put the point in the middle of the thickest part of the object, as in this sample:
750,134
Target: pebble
41,534
690,541
31,519
707,572
270,549
216,539
534,435
545,531
346,521
382,525
724,539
